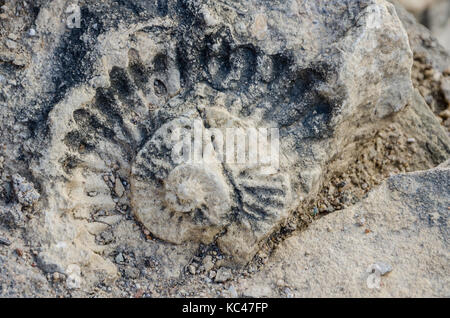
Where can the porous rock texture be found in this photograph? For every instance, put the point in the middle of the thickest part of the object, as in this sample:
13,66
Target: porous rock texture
89,184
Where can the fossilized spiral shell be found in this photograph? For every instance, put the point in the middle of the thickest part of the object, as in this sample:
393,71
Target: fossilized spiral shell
178,201
190,187
182,201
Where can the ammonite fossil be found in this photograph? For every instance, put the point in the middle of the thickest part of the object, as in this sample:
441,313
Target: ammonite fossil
195,199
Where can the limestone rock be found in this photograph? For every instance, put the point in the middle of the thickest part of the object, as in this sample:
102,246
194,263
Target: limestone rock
108,96
409,234
437,19
425,46
223,274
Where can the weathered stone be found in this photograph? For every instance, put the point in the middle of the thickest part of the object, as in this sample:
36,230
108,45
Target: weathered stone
308,101
73,280
222,275
25,192
86,105
412,244
118,188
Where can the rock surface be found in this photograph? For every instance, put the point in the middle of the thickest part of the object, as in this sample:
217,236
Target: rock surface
93,197
406,231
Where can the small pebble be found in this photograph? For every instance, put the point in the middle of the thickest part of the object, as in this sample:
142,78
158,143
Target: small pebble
191,269
11,44
384,268
5,241
12,36
429,73
223,274
32,32
118,188
445,114
288,293
233,291
56,277
208,18
447,71
208,263
119,258
341,184
19,252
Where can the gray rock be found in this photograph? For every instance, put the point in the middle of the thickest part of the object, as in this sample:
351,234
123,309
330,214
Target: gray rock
105,97
434,14
422,41
409,223
25,192
4,241
445,89
119,258
13,216
208,264
48,262
118,188
192,269
437,19
223,274
233,291
113,98
383,268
